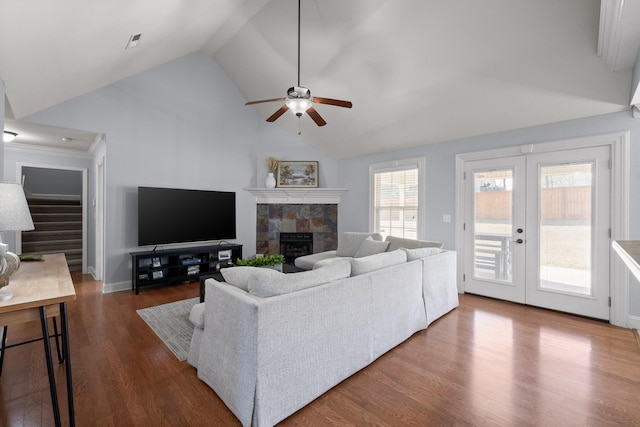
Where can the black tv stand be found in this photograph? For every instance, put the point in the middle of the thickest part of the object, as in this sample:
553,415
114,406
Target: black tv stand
179,265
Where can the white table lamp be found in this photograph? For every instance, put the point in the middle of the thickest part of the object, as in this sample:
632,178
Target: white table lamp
14,216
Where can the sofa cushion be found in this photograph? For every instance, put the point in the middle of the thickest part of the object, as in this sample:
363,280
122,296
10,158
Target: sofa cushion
240,276
398,242
349,242
376,262
329,261
197,315
413,254
307,262
269,286
370,247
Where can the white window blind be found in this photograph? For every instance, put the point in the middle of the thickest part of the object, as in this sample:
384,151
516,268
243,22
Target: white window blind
396,201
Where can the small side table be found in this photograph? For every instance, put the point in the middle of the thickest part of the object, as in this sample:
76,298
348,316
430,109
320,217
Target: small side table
217,275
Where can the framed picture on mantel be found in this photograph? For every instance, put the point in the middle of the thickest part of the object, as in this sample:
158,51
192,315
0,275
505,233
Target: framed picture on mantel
297,174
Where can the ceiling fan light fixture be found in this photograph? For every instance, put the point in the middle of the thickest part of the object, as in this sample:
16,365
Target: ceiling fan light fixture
298,106
299,99
8,136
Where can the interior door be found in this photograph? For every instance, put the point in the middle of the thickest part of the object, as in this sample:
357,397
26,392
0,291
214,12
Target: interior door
537,230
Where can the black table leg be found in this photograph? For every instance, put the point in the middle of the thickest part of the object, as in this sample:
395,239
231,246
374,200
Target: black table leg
3,347
57,335
47,355
66,355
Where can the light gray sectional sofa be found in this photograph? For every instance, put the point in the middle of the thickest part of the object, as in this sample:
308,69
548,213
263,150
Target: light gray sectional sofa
269,343
354,244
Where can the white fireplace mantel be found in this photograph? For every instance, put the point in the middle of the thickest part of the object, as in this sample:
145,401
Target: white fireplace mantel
297,195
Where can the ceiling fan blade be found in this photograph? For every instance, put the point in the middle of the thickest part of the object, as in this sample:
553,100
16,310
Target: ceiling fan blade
336,102
265,100
277,114
315,116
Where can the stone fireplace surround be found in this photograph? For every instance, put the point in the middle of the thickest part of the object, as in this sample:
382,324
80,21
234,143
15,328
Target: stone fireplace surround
319,219
296,210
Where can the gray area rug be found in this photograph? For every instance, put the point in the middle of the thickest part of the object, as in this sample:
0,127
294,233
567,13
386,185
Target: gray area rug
171,323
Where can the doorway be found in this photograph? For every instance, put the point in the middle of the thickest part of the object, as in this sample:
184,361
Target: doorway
537,226
60,213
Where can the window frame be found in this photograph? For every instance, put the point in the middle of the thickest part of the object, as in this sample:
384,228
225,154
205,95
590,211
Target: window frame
394,166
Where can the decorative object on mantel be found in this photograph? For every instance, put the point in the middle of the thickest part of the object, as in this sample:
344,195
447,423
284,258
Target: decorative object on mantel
298,174
272,167
14,216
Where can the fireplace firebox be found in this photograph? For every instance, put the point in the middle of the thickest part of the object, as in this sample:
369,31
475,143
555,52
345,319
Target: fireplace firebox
294,245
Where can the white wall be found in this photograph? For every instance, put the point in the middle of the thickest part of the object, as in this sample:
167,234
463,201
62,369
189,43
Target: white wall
440,174
52,181
182,125
2,101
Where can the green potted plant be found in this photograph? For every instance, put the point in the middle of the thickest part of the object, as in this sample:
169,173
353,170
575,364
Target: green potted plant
270,261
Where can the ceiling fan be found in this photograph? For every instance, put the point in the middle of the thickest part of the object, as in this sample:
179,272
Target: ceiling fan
299,99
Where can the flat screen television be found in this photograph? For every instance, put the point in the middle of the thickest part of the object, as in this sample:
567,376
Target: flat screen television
171,215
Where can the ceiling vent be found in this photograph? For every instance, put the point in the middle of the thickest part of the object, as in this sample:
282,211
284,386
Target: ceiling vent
133,41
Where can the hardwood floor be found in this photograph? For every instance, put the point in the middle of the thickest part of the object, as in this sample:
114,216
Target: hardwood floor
486,363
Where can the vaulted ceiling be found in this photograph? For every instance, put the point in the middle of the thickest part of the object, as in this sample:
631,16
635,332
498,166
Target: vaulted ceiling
417,71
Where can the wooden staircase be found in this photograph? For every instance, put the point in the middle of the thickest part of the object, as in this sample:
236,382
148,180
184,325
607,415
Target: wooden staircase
58,228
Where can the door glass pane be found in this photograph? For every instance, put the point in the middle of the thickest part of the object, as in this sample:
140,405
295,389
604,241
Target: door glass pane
493,213
565,227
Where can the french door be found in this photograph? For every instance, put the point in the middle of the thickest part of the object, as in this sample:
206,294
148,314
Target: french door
537,229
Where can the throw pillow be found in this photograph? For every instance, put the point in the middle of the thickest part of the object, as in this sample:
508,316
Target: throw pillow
370,247
265,287
377,262
350,241
413,254
240,276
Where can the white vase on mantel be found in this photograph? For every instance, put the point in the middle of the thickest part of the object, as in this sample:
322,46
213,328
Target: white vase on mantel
271,181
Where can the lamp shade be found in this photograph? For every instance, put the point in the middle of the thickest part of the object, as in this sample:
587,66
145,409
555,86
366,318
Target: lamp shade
14,210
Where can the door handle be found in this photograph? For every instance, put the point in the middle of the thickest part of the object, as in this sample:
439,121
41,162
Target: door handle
519,241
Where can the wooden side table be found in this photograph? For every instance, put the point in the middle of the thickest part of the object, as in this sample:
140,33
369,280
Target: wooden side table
217,275
41,290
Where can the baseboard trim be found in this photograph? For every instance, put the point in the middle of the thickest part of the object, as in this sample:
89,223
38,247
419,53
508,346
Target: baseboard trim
634,322
108,288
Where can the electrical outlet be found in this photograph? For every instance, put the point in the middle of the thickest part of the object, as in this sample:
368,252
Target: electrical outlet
446,218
